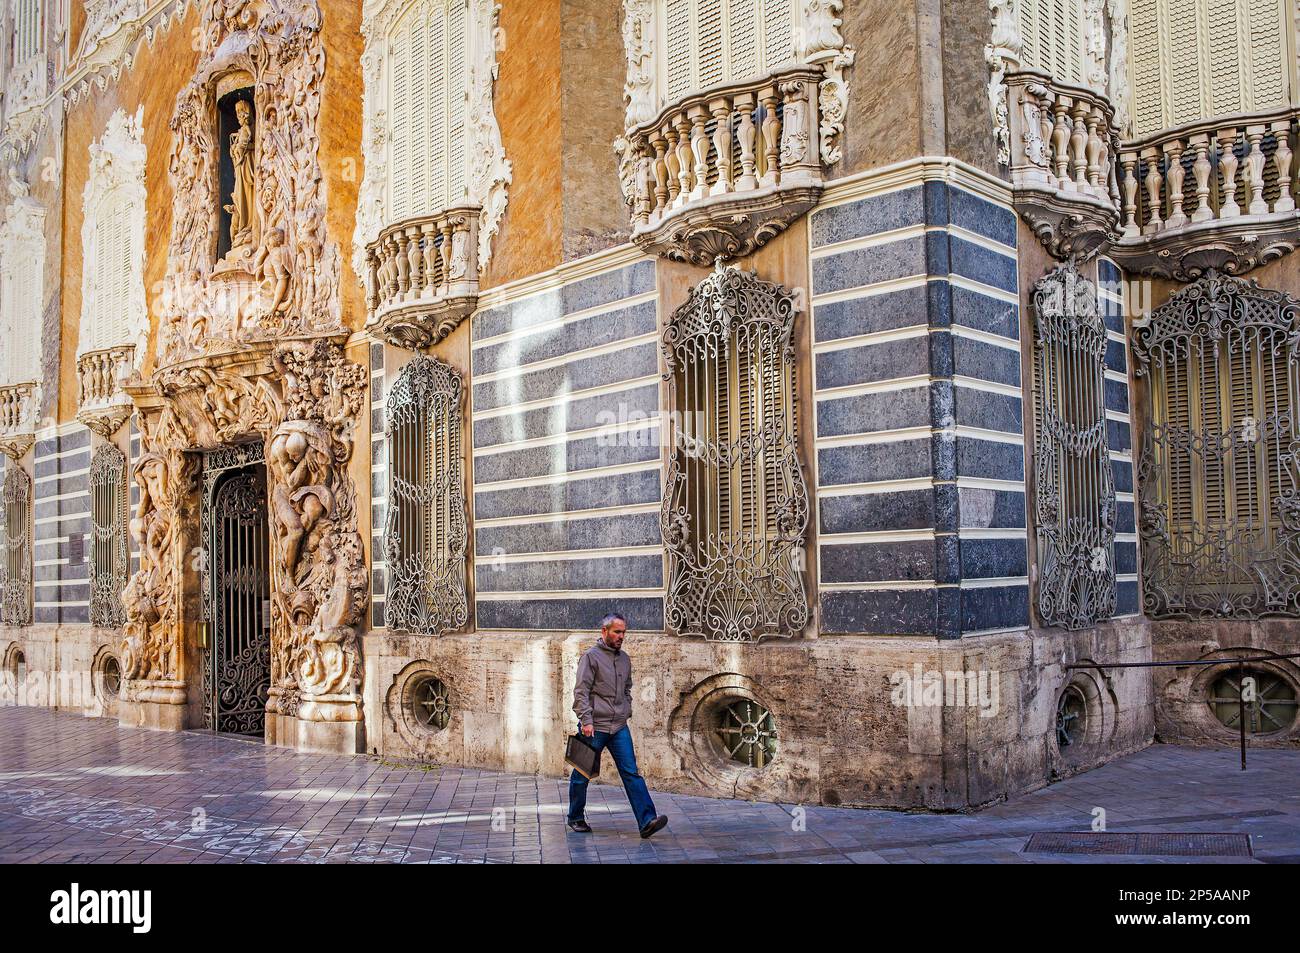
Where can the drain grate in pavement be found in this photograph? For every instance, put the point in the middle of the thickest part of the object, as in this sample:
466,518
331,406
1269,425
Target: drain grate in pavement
1168,845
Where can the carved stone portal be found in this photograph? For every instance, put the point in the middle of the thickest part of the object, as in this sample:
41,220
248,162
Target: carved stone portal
300,400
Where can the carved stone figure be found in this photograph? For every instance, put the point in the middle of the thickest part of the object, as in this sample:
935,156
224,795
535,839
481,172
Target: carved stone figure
272,265
242,195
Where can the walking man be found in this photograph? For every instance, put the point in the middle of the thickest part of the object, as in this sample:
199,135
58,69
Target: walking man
602,700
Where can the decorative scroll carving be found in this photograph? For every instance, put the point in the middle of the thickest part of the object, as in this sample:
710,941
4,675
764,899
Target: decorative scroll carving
287,281
1219,475
322,582
1002,54
639,92
16,547
1074,492
735,506
425,533
108,555
26,86
824,44
208,407
1117,85
488,172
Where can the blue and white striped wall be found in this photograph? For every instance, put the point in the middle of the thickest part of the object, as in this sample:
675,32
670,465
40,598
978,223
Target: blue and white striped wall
566,452
61,526
378,485
1119,435
919,417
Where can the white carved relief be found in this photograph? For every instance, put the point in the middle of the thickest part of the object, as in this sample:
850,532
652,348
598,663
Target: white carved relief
817,41
111,34
488,172
280,276
22,294
1117,84
113,203
1002,54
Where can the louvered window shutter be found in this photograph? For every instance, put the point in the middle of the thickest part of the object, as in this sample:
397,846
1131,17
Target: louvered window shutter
25,332
1194,59
427,90
1052,35
709,42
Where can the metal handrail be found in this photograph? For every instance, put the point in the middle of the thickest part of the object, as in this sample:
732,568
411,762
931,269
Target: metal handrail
1241,674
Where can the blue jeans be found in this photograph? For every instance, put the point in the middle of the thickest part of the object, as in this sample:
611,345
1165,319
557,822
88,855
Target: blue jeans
619,745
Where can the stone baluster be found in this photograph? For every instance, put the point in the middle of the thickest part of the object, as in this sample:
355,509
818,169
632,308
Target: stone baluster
684,156
429,244
1151,156
403,262
660,168
1094,151
445,248
745,136
1200,143
721,110
672,164
1129,161
700,148
1060,143
643,178
414,261
1079,148
1282,159
1228,207
1174,175
1255,171
372,280
771,138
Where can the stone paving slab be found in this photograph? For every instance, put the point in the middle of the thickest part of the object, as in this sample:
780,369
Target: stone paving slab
84,790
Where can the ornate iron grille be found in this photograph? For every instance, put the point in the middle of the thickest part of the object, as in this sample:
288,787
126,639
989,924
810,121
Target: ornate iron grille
108,552
735,506
238,663
1074,492
425,531
215,463
1217,470
16,548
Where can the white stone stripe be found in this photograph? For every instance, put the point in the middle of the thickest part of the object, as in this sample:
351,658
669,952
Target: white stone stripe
876,585
547,479
568,515
873,387
984,337
880,486
995,582
1127,577
979,433
979,287
875,536
872,337
571,318
1116,376
992,387
869,291
985,483
59,605
878,436
506,410
532,595
983,241
873,240
518,370
992,532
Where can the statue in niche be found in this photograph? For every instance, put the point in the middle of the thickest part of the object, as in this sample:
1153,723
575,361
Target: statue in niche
242,195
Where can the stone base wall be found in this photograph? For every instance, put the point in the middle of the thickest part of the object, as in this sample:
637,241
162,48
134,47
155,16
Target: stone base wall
847,734
1183,711
63,665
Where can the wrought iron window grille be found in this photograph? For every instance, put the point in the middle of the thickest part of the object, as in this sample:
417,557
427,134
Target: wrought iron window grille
16,547
425,529
735,505
109,560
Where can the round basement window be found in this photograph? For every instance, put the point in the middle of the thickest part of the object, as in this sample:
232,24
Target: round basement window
110,676
1270,701
1071,716
431,705
746,732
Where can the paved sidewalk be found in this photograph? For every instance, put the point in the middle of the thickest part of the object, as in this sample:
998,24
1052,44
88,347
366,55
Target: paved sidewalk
85,790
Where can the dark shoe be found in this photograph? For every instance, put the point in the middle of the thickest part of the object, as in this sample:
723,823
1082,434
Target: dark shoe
654,827
580,826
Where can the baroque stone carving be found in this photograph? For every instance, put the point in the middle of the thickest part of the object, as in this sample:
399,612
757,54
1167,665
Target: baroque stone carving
25,89
209,407
1002,54
1117,84
322,581
110,39
285,282
489,172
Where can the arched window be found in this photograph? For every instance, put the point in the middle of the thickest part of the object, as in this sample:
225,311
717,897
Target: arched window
108,550
425,531
1218,468
16,547
426,94
709,42
1074,492
735,507
112,233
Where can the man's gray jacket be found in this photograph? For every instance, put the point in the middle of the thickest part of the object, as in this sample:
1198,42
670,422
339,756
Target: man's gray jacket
602,695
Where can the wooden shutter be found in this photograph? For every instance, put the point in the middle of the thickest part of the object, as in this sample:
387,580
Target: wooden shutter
709,42
1052,35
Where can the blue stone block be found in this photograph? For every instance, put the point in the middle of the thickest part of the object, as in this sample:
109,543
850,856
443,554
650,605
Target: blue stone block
869,216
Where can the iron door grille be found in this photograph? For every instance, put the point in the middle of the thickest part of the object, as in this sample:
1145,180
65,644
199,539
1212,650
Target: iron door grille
16,548
1217,469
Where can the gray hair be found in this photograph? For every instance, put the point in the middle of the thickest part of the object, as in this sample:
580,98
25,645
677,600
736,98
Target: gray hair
610,619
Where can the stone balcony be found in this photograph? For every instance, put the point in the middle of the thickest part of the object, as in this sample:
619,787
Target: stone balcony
422,277
1063,175
18,415
1217,193
103,404
720,172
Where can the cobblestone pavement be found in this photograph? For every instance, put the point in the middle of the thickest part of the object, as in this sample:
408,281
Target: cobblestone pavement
85,790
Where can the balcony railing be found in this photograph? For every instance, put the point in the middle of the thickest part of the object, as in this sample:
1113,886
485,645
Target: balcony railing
18,413
1063,175
1218,193
720,172
104,405
422,277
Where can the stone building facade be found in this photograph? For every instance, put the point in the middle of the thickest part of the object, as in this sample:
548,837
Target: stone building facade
883,363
